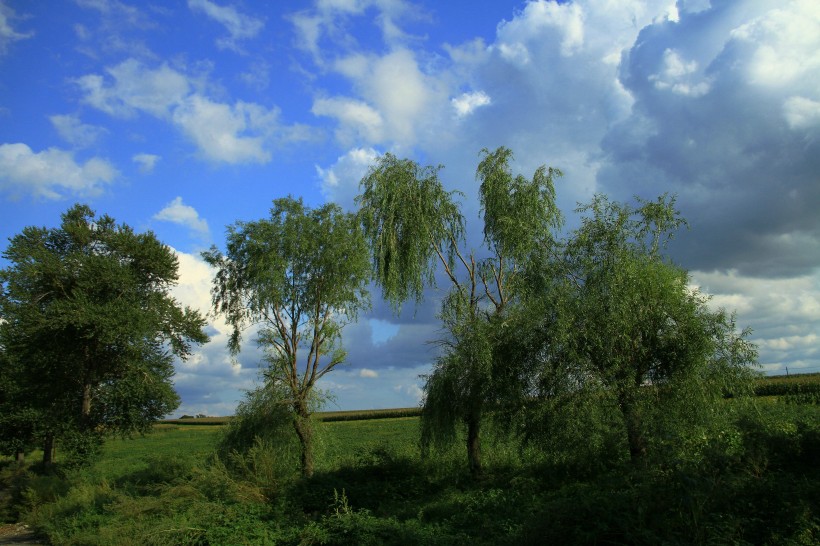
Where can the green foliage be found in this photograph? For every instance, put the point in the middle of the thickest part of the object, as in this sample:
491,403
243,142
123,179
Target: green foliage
755,481
411,223
90,329
300,275
625,330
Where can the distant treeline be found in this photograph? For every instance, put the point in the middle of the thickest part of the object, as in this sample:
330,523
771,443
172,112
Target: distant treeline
777,385
324,416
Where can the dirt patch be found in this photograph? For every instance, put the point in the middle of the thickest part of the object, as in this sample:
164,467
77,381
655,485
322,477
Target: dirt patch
18,533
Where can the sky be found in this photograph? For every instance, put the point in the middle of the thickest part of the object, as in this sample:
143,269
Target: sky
183,117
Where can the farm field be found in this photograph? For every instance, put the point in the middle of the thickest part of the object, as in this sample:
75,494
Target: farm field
373,486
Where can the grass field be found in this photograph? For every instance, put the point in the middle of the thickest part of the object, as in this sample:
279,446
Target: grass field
372,486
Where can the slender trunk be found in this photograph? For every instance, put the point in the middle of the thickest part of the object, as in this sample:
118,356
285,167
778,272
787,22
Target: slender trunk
48,450
632,421
86,401
20,456
474,442
304,430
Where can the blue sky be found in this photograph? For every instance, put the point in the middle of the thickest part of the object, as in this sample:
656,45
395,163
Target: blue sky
184,117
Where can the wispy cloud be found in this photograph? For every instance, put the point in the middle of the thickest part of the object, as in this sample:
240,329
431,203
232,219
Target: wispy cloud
238,132
75,132
146,162
8,34
239,26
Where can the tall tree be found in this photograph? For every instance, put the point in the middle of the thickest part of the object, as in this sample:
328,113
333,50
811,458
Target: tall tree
91,328
414,225
301,276
635,328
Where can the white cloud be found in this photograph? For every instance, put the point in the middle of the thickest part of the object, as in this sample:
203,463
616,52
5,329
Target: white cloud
539,19
179,213
340,181
136,88
75,132
357,119
52,173
328,18
784,314
241,132
231,134
210,381
801,113
7,34
238,25
466,103
678,76
365,372
146,162
785,43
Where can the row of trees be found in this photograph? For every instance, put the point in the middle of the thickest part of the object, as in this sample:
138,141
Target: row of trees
535,325
539,324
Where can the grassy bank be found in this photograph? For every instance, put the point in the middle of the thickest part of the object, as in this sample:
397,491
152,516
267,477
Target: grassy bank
373,486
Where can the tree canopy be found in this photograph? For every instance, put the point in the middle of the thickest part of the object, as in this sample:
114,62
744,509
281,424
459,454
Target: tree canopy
90,328
414,225
300,276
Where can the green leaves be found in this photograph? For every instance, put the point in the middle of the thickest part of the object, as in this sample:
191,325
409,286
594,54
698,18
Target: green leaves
85,306
300,275
411,223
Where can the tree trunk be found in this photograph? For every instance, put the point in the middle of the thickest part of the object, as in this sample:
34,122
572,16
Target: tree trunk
474,443
304,430
86,401
48,450
20,456
634,435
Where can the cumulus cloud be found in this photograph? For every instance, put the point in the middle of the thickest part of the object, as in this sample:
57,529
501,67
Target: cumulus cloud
146,162
51,173
239,26
366,372
242,132
135,88
340,181
75,132
227,133
179,213
791,339
358,121
8,34
739,153
398,102
210,381
466,103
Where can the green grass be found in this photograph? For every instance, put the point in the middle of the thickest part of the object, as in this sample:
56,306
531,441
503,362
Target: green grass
372,486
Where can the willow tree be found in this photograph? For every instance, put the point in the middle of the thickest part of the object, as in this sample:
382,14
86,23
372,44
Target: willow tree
299,276
635,328
414,227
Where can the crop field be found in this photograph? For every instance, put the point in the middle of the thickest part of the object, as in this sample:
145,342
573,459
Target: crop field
373,486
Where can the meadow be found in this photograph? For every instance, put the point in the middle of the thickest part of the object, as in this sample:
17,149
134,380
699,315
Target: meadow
373,485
